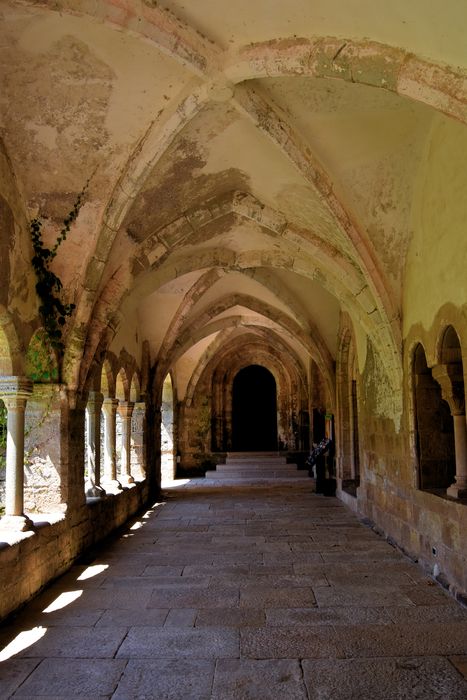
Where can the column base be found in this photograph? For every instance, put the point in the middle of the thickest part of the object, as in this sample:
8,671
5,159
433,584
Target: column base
112,486
18,523
94,491
457,491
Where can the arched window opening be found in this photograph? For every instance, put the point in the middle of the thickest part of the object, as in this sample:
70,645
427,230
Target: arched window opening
167,432
254,410
450,376
434,430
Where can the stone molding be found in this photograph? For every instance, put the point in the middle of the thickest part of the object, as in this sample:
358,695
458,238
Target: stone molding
451,381
15,387
125,409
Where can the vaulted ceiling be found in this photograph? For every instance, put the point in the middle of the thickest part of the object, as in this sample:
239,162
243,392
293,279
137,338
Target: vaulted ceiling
255,167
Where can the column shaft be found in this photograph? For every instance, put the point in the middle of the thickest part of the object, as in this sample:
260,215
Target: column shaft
125,410
109,408
459,488
93,429
14,392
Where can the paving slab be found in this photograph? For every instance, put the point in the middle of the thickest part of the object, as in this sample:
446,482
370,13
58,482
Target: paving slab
280,617
181,617
460,663
13,672
117,617
246,679
194,598
291,642
89,677
403,639
170,642
255,596
360,596
234,591
166,679
231,617
449,611
385,679
76,642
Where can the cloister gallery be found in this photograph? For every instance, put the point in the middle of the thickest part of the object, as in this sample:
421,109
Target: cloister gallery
271,248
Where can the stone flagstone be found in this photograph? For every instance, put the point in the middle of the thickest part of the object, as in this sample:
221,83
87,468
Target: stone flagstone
231,593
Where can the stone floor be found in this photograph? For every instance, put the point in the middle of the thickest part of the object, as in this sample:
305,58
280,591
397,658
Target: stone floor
268,591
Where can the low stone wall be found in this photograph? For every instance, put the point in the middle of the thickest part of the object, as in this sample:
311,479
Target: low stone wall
430,529
29,560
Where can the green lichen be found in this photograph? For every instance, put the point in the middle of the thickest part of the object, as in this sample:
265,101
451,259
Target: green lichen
41,363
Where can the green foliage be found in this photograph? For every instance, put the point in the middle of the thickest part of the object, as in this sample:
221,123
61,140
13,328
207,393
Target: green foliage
41,363
52,310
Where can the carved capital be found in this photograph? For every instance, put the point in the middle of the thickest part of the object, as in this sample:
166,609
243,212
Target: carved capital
125,409
451,380
95,401
109,406
15,387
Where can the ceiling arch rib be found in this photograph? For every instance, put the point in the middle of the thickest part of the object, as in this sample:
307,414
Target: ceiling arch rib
268,120
367,62
151,23
232,344
358,302
206,324
154,251
158,137
204,283
311,341
326,256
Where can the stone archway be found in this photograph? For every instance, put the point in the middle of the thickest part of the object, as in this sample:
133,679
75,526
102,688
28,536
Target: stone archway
254,410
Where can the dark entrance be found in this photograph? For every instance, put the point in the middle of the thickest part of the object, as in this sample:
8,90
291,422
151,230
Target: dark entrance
254,410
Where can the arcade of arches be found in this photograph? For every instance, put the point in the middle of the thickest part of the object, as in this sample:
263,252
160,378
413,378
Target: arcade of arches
272,249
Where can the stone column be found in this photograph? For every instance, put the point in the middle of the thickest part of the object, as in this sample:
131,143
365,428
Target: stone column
93,429
451,381
14,391
459,488
109,408
138,441
125,409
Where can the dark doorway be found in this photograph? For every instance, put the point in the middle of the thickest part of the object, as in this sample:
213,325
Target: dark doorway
254,410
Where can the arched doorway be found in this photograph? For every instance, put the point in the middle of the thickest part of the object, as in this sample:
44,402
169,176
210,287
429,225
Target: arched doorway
254,410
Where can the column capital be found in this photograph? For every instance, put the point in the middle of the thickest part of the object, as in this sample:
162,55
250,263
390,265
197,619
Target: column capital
110,404
15,388
125,408
95,400
450,378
